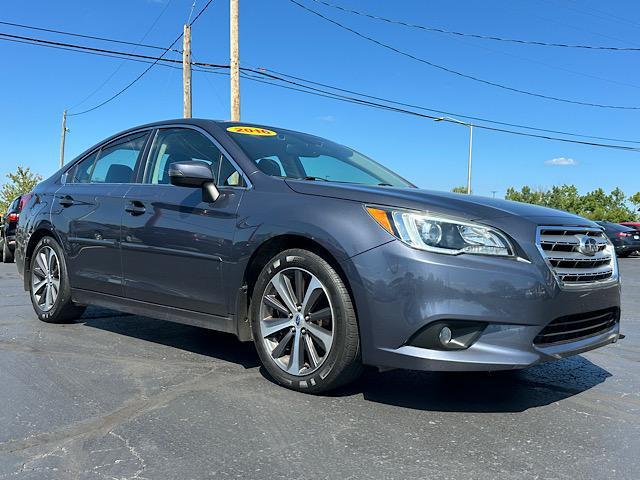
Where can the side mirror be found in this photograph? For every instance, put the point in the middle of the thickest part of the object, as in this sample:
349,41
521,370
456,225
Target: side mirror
194,174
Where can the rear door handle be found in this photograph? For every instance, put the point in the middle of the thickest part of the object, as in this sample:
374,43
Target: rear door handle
135,208
66,201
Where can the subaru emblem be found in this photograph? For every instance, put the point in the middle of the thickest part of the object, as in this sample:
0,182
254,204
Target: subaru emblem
588,246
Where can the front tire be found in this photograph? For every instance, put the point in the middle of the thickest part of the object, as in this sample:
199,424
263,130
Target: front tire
304,324
49,286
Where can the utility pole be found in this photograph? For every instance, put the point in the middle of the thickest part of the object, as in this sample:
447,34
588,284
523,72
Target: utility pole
234,61
63,137
186,71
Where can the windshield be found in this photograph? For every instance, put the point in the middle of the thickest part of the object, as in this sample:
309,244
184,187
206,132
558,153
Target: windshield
283,153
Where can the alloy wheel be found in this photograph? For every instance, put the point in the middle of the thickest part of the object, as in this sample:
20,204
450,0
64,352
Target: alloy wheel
296,321
45,278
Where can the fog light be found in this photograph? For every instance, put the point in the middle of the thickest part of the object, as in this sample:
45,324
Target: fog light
445,336
449,334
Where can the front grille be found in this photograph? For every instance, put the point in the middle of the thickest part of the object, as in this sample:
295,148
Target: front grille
560,247
576,327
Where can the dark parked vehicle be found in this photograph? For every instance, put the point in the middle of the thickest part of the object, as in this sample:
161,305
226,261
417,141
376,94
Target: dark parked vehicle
634,225
325,259
626,240
8,224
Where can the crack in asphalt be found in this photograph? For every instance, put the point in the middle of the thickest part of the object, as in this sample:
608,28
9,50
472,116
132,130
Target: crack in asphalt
105,423
25,348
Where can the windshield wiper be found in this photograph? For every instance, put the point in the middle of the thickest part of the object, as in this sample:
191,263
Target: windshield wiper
315,178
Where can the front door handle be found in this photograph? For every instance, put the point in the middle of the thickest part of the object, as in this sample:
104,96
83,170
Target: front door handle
135,208
66,201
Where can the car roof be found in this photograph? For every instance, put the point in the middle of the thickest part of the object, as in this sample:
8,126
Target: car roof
615,226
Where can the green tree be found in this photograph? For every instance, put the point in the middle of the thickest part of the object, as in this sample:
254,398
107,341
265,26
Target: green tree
22,181
635,200
596,205
460,189
527,195
564,197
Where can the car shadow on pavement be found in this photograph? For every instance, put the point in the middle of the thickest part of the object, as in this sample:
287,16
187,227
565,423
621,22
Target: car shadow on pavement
508,391
201,341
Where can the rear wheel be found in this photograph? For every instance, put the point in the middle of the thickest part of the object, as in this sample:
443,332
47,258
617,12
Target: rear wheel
304,324
7,254
49,284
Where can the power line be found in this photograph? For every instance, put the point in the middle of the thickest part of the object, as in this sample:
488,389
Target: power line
349,99
455,72
473,35
98,51
129,85
92,37
453,114
35,41
193,7
200,12
119,67
278,76
81,50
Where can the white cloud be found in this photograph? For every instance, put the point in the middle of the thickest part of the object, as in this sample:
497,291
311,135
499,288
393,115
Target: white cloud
327,118
561,161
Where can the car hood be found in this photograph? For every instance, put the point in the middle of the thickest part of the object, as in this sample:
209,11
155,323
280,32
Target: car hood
470,207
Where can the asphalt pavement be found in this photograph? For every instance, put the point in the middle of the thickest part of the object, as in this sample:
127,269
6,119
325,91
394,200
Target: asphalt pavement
116,396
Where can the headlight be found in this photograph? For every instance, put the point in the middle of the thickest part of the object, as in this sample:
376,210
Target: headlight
442,234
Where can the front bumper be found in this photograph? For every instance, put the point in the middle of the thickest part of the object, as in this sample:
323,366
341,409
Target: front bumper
399,290
629,248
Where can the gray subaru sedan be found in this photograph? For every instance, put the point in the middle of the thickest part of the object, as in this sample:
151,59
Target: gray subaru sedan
325,259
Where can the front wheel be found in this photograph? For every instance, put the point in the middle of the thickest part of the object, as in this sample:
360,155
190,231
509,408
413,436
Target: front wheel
304,324
49,284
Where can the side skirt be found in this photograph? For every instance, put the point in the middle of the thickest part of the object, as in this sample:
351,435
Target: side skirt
161,312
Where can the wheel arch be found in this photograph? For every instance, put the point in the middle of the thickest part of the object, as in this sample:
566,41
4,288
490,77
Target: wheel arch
261,256
44,229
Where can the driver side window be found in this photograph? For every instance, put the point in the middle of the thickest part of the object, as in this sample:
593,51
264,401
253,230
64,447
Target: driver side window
179,145
184,144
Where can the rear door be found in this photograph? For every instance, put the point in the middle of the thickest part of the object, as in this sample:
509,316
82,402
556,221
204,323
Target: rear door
174,243
87,213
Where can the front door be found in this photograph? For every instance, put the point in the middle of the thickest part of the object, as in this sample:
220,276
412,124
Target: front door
88,211
174,243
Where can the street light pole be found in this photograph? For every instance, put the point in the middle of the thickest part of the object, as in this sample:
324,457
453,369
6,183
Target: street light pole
470,126
470,155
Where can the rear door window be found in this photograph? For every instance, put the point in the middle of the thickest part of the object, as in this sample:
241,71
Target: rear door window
117,161
81,173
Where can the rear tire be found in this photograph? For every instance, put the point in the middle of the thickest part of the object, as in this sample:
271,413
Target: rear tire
49,285
322,323
7,254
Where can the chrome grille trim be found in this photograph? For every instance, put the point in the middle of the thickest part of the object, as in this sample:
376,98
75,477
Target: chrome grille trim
572,268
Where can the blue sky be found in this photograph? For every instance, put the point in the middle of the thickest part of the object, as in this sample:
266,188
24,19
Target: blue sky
37,83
